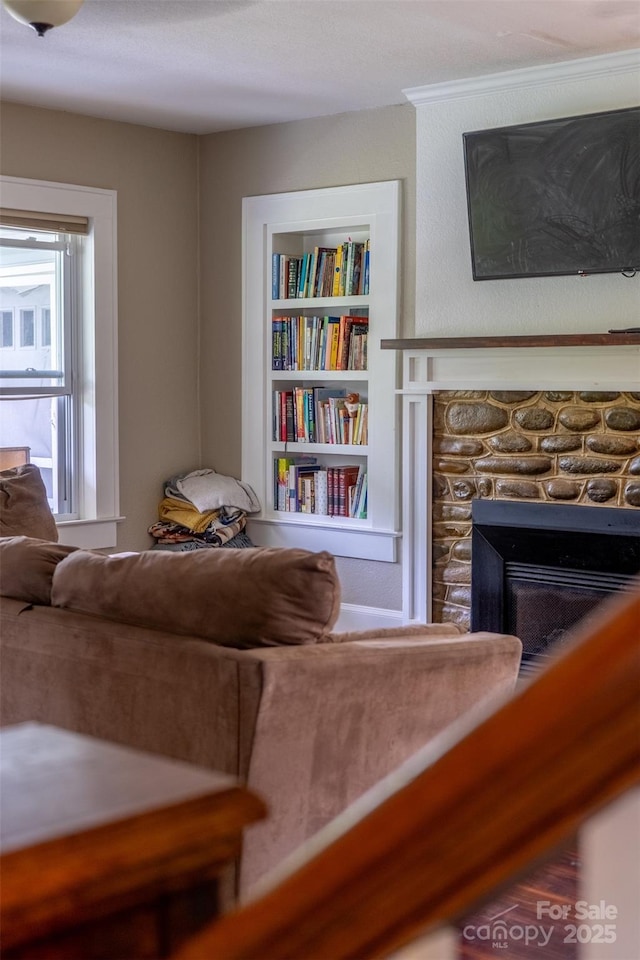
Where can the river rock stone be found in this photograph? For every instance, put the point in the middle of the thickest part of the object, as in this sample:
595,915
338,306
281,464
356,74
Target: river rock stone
462,549
440,487
560,444
557,396
468,394
563,489
622,418
448,511
512,396
452,466
438,590
460,595
586,465
519,465
485,488
595,396
457,573
443,530
634,466
459,446
518,489
440,551
447,613
601,490
605,443
632,493
510,442
475,418
534,418
578,419
463,489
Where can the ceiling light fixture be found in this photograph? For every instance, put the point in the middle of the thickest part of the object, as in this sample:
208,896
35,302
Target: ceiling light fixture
42,15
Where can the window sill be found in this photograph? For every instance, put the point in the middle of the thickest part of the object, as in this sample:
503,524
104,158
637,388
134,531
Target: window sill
89,534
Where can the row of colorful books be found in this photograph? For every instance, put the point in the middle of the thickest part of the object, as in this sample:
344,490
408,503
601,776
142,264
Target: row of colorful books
320,415
341,271
319,343
306,487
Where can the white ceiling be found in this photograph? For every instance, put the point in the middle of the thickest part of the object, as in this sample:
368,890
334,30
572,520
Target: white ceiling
201,66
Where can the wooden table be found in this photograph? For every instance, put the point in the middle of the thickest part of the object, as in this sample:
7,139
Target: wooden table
108,852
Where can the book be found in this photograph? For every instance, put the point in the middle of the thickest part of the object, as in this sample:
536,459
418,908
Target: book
357,338
304,271
333,339
359,506
365,284
292,278
300,494
277,362
275,276
337,272
347,476
281,478
331,503
321,501
321,398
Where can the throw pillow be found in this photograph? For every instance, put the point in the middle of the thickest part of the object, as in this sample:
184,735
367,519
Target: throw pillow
24,509
240,598
27,566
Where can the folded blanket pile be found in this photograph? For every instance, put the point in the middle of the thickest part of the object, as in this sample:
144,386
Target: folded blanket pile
203,509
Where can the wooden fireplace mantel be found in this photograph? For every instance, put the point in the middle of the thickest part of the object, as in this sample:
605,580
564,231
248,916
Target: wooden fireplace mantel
540,340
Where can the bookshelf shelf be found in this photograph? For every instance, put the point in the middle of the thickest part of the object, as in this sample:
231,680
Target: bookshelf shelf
292,448
321,303
314,234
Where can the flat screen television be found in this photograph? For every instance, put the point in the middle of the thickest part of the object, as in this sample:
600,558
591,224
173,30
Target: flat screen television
555,197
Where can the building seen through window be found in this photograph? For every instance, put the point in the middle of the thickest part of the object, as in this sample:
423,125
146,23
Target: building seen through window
37,321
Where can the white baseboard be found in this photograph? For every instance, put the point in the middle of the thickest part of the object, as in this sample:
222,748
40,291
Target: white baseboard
355,617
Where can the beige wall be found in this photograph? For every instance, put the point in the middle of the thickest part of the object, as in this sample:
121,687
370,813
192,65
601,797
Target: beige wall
155,175
160,198
329,151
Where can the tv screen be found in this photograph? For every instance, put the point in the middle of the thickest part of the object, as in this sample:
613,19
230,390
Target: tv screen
555,197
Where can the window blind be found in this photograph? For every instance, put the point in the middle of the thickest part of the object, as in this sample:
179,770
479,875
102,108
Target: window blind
35,220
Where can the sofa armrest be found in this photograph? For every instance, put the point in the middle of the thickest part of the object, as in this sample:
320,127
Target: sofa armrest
334,719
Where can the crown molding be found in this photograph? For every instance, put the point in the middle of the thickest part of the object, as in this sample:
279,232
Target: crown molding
569,71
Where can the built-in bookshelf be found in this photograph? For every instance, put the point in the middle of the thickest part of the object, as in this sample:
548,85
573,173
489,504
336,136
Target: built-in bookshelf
319,420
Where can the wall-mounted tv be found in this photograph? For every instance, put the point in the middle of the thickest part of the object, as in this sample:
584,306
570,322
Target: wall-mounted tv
555,197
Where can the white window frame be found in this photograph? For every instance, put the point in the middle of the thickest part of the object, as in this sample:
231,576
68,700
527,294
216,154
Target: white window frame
98,466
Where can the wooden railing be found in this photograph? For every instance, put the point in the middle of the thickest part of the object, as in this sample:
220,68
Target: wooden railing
469,813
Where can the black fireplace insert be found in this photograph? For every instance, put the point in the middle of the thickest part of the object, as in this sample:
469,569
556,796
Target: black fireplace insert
537,569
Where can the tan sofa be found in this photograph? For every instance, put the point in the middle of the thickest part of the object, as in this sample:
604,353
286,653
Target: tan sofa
310,722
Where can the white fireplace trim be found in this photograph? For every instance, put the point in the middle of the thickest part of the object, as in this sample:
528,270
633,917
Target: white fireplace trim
484,368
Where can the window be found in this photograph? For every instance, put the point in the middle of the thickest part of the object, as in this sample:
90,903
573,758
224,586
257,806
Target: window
45,327
58,391
6,328
38,268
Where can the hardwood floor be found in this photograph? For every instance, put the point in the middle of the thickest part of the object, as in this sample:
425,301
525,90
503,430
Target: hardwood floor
510,927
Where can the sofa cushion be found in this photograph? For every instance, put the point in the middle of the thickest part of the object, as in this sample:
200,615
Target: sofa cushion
240,598
27,566
24,508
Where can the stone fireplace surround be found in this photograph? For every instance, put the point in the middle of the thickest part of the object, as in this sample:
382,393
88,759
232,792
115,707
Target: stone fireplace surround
535,419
